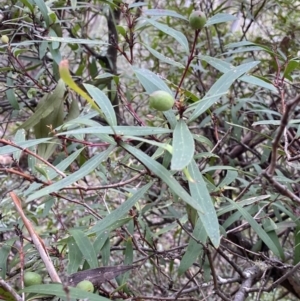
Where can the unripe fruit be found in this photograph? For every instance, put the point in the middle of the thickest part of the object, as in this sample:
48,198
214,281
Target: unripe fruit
161,101
32,278
86,286
5,39
197,19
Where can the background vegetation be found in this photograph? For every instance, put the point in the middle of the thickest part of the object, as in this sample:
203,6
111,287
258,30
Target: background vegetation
199,202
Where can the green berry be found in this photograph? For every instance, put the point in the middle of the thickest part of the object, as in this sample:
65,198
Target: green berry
161,101
86,286
5,39
32,278
197,19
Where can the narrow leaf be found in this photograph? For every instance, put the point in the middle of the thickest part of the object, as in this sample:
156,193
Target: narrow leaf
163,58
150,81
49,103
183,146
10,93
194,249
177,35
74,256
220,18
221,86
59,290
11,149
119,130
257,228
164,13
120,212
201,195
164,175
104,103
87,168
44,10
86,248
19,137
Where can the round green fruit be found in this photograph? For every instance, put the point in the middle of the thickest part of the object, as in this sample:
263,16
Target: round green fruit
161,101
5,39
197,19
32,278
86,286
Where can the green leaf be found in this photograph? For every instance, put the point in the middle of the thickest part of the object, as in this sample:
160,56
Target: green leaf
100,240
50,102
87,168
74,110
183,146
19,137
164,13
231,176
177,35
220,18
44,10
224,67
86,248
74,4
74,41
290,67
119,130
104,103
150,81
297,243
256,227
5,295
122,210
220,87
74,256
28,4
10,93
164,175
4,253
201,195
163,58
194,249
11,149
59,290
62,166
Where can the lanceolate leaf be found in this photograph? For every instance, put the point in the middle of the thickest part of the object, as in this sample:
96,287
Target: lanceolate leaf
164,175
224,67
163,58
11,149
86,248
150,81
220,87
59,290
119,130
220,18
201,195
194,249
183,146
88,167
47,105
177,35
104,103
120,212
256,227
163,13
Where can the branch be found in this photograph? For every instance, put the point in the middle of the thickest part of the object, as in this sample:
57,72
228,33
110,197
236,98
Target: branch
250,275
38,242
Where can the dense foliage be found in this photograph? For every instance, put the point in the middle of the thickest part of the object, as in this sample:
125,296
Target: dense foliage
99,187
